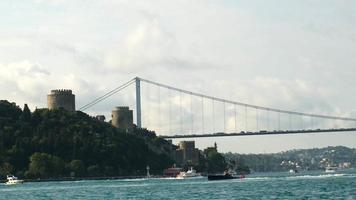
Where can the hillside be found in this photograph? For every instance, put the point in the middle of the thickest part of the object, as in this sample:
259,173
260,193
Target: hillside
56,143
304,159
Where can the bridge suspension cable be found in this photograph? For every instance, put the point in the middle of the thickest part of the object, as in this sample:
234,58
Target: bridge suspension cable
279,111
107,95
282,119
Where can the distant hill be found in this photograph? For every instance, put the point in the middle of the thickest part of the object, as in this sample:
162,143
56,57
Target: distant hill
304,159
55,143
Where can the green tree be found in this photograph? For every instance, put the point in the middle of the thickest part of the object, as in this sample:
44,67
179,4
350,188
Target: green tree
44,165
77,167
39,165
214,160
26,114
63,137
9,111
57,165
6,169
93,170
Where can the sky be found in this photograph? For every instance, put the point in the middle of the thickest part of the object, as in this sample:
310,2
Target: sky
295,55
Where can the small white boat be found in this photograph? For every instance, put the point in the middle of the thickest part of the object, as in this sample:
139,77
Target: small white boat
330,169
12,180
189,174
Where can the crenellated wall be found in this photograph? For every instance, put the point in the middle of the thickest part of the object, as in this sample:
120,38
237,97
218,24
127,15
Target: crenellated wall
61,98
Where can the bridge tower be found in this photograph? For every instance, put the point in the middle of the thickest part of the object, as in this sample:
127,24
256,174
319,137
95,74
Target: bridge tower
138,102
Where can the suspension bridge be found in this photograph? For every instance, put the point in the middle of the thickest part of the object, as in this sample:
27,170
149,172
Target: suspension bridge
177,113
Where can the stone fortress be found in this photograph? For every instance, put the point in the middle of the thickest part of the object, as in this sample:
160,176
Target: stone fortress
61,98
187,153
122,116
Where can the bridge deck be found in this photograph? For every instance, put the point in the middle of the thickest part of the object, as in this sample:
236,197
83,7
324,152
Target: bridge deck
259,133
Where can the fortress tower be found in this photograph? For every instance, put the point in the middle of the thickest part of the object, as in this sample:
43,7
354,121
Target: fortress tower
122,117
61,99
187,153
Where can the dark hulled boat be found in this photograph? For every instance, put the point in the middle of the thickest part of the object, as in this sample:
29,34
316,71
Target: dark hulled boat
220,177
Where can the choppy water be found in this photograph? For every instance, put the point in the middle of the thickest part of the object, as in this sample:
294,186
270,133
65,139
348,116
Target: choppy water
305,185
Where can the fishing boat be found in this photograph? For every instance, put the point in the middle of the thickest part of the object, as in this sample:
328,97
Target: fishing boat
12,180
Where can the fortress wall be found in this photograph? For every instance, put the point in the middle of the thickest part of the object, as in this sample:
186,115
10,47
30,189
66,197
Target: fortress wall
61,99
122,117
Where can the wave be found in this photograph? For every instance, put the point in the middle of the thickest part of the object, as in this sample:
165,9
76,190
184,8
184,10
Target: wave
320,176
130,180
261,178
308,176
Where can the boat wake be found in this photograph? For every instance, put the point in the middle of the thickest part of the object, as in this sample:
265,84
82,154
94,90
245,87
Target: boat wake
316,176
131,180
320,176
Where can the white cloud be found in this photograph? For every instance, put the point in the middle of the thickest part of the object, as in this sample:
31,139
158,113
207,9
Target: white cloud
148,44
295,59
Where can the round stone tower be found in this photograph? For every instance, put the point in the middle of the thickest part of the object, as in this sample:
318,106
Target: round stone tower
122,117
61,99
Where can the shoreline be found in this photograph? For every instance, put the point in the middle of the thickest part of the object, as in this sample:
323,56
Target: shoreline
85,178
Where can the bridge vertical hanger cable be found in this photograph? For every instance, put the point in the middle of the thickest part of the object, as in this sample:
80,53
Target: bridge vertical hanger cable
192,114
245,118
213,115
248,105
350,125
202,114
301,122
267,120
170,111
257,120
159,110
224,117
235,113
180,112
279,121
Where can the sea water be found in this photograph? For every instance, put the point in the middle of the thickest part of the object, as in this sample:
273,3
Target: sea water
303,185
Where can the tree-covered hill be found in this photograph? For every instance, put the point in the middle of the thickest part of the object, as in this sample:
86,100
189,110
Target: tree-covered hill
57,143
303,159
